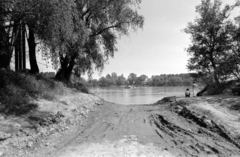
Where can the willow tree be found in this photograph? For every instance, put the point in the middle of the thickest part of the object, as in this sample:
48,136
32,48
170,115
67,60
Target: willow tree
210,39
21,19
12,14
4,50
6,37
37,14
86,33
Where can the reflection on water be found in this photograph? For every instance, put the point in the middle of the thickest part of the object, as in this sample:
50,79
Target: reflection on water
138,95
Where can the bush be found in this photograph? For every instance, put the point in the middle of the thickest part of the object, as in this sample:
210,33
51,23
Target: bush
215,89
79,86
82,87
78,83
17,89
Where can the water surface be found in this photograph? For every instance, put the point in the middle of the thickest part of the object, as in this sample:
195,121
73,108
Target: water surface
138,95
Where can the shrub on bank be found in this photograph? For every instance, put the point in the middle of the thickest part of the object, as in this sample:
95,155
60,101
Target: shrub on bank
78,83
215,89
17,89
80,86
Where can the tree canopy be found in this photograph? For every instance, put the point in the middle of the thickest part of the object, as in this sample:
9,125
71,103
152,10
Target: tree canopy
78,36
214,47
210,35
90,37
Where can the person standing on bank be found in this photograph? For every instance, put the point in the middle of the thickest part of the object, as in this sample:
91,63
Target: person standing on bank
193,88
187,93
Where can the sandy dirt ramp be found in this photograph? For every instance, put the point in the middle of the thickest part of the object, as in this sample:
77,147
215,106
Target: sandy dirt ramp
164,129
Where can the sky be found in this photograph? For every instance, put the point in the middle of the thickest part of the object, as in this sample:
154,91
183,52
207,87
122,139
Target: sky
158,48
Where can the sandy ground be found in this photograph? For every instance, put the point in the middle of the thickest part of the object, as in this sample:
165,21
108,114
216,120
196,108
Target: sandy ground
44,123
195,127
91,127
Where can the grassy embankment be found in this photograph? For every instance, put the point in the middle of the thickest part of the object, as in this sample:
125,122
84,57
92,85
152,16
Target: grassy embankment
18,89
36,111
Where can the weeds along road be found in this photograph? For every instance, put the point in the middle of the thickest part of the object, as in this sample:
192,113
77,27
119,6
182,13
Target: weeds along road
166,129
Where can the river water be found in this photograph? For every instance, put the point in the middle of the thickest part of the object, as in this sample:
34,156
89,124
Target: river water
138,95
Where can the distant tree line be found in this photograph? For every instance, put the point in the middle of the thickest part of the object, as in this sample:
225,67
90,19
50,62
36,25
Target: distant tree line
142,80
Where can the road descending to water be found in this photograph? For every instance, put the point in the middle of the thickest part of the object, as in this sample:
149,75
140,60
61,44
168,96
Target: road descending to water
165,129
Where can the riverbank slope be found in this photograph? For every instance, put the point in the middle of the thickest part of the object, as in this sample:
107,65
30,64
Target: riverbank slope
63,122
45,123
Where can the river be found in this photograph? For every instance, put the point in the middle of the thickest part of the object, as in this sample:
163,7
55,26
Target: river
138,95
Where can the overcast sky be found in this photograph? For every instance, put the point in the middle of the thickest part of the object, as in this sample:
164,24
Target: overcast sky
158,48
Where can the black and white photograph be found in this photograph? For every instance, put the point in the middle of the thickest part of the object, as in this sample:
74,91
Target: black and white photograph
119,78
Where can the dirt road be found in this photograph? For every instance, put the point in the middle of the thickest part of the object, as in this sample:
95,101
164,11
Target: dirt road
165,129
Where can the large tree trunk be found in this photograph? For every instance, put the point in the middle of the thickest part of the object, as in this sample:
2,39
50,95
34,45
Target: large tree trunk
20,48
67,65
215,74
216,77
16,45
5,54
32,52
64,63
23,46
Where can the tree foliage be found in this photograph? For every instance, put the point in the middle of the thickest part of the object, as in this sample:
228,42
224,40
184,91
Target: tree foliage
6,38
21,19
132,79
86,32
210,39
79,36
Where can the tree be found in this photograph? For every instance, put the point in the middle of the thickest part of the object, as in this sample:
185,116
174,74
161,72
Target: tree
114,77
7,38
132,79
210,35
93,82
24,19
95,26
141,80
121,80
175,81
12,33
82,35
158,80
105,82
232,59
110,80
